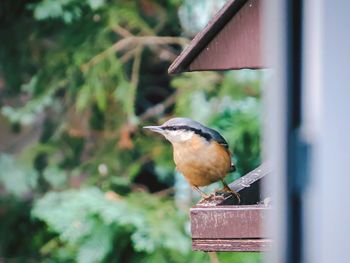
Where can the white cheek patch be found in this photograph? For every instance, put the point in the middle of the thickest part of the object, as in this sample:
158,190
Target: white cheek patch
179,135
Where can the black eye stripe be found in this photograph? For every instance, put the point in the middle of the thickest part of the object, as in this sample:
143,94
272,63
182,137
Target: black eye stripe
205,135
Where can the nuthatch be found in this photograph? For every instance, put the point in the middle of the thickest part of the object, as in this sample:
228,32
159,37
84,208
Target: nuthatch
201,154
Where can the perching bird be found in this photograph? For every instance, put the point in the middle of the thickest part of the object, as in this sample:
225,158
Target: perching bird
201,154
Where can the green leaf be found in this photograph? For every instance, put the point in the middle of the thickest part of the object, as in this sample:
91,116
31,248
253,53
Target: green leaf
48,9
101,98
95,4
96,246
83,98
30,112
55,176
124,94
15,177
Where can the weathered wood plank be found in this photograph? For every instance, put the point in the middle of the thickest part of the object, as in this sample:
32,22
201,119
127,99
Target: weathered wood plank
202,39
237,45
243,245
231,40
224,222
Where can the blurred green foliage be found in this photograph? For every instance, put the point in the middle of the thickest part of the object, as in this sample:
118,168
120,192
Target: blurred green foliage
80,181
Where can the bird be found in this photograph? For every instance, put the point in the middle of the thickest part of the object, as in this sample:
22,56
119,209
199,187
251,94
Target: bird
200,153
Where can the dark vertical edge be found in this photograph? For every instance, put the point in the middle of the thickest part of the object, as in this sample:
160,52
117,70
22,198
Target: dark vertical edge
295,147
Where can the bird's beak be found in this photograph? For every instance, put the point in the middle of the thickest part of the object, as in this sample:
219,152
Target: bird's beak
158,129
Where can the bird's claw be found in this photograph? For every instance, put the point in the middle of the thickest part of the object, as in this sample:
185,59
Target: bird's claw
227,193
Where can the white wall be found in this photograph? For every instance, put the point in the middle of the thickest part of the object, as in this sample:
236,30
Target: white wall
327,215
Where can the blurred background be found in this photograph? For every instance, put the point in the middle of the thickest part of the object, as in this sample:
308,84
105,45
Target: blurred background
80,181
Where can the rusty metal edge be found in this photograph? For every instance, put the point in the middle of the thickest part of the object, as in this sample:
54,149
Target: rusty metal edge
182,62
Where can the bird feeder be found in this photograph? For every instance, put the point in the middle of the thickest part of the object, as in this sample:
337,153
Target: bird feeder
231,40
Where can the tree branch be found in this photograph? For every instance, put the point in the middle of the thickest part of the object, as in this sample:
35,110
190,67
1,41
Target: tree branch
159,108
132,41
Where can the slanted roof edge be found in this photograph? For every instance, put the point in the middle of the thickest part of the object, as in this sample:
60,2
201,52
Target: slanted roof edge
200,41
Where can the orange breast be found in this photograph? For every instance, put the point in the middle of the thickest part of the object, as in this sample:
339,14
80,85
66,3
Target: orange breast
200,161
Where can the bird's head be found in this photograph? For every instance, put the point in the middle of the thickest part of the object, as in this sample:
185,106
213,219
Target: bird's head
177,129
183,129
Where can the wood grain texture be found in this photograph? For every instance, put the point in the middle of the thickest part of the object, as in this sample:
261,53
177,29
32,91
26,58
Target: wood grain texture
202,39
242,245
231,40
236,46
228,222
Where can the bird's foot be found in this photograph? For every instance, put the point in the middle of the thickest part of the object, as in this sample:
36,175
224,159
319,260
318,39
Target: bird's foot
227,192
227,189
211,200
203,195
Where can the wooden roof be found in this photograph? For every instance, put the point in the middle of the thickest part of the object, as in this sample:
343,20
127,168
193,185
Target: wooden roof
231,40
